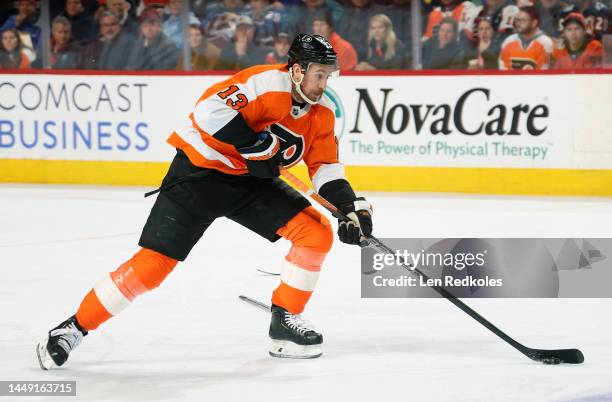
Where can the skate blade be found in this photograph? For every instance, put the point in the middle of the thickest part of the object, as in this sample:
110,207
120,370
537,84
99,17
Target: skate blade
44,359
290,350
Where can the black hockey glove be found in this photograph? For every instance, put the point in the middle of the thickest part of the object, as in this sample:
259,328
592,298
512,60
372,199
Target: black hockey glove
262,158
360,214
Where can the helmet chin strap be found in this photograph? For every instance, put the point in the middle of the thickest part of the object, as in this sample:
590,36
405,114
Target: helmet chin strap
299,89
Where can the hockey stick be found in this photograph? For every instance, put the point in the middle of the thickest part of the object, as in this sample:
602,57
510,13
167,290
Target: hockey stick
255,303
546,356
269,273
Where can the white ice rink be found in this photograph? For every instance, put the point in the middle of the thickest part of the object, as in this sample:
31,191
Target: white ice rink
192,339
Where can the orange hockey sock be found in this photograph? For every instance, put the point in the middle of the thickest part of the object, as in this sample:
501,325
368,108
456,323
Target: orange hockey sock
311,236
114,292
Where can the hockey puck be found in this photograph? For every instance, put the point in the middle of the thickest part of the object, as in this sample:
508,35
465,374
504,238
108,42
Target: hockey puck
551,360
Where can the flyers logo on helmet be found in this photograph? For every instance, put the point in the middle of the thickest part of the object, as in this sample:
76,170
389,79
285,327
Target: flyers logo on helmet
324,42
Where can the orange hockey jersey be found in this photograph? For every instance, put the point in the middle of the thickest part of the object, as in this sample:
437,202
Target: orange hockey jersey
461,12
590,56
517,54
262,96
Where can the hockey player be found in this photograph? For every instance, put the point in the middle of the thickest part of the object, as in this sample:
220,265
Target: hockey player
227,165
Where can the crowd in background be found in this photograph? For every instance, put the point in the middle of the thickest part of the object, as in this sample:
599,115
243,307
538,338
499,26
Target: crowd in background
366,34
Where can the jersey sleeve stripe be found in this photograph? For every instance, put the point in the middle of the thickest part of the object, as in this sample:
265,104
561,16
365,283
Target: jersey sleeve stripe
192,137
212,114
326,173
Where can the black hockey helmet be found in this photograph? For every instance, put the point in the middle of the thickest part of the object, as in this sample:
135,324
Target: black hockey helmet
307,49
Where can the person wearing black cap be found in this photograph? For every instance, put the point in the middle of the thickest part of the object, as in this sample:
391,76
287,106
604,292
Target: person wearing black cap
578,50
238,135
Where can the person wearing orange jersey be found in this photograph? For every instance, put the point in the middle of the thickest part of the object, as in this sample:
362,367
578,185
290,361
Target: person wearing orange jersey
529,48
229,153
578,50
458,10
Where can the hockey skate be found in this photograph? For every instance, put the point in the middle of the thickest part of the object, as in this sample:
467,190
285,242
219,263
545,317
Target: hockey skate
292,337
53,351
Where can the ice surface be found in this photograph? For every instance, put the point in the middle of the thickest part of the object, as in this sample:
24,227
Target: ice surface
192,339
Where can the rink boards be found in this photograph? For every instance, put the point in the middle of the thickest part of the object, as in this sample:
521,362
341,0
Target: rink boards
494,133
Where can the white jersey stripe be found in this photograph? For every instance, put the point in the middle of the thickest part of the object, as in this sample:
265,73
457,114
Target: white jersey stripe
327,173
212,114
193,137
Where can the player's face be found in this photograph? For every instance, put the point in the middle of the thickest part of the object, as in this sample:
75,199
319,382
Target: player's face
315,80
574,34
9,41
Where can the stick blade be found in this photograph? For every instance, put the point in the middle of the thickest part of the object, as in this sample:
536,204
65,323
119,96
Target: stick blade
556,356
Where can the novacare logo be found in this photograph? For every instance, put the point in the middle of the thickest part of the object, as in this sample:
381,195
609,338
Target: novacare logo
494,119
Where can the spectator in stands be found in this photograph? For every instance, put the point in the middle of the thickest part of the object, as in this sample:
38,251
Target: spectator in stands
458,10
484,52
351,27
504,25
267,19
529,48
501,13
550,13
400,13
301,17
347,56
82,24
152,50
25,21
204,55
111,50
64,54
280,54
578,50
242,52
443,52
172,23
385,51
123,11
221,19
597,16
57,7
11,50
